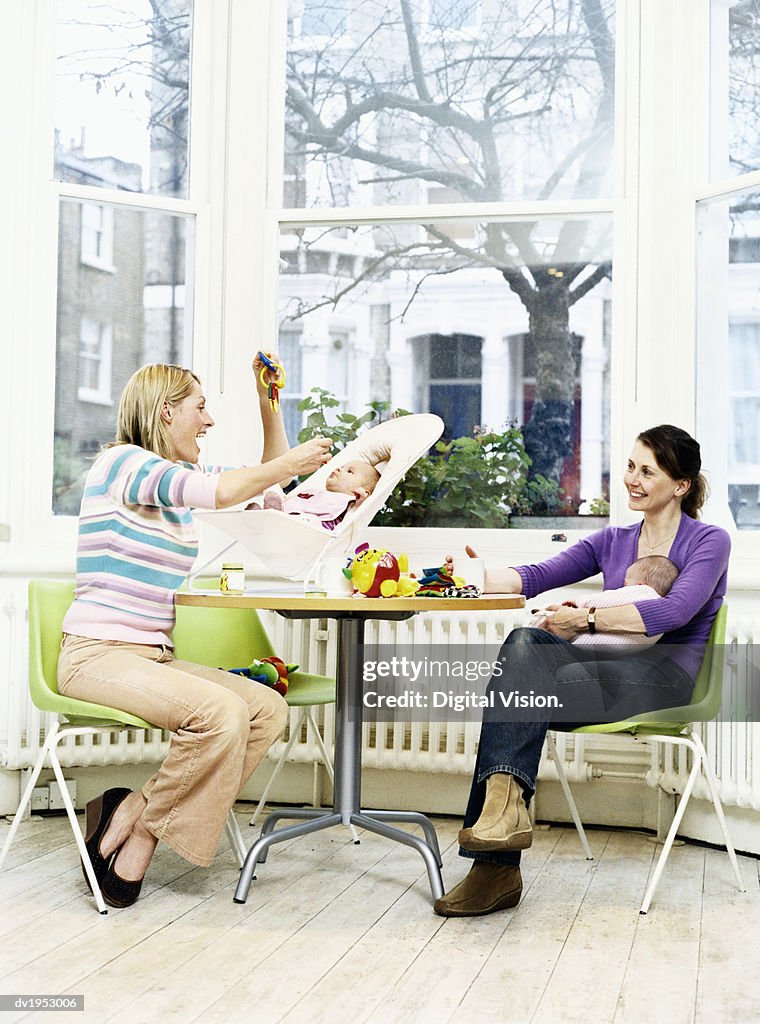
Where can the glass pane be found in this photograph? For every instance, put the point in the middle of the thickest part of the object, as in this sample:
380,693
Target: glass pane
453,14
109,323
421,109
290,354
432,326
728,348
122,94
735,85
324,17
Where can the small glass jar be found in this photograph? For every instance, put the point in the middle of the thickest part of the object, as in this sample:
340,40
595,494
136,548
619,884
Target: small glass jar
232,580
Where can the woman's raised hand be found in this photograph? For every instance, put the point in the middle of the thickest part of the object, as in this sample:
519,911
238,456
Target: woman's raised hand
309,456
448,562
270,376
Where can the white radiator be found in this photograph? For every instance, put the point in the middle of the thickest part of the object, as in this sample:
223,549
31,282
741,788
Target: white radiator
434,746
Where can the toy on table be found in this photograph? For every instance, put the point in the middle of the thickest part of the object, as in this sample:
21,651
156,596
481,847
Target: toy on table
270,671
376,572
437,582
273,387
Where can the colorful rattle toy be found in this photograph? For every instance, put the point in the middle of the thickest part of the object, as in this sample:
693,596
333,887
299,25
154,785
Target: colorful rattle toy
375,572
273,387
269,671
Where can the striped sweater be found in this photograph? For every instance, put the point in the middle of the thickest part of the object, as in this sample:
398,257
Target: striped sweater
137,543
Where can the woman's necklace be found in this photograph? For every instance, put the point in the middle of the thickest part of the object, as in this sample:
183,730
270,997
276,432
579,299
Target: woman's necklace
659,544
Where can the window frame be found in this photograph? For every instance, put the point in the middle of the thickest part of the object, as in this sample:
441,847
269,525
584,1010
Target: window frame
101,358
281,219
239,60
101,255
702,36
38,538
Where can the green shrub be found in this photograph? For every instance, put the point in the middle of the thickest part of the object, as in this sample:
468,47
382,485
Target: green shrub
469,481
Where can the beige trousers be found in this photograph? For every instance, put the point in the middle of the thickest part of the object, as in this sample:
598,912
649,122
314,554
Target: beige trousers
223,725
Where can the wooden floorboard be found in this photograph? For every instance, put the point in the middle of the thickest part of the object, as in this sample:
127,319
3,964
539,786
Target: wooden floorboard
334,933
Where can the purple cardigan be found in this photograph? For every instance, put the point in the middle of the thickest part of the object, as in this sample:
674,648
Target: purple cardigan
685,615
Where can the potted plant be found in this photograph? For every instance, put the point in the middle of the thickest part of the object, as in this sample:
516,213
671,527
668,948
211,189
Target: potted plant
472,481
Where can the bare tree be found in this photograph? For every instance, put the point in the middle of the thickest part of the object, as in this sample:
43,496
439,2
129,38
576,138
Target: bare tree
411,101
141,53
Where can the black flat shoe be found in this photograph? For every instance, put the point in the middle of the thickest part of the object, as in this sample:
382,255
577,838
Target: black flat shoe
117,891
98,814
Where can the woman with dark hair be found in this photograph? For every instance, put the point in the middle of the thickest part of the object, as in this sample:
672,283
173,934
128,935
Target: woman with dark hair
664,482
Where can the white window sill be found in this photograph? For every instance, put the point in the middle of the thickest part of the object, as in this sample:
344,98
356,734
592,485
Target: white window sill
94,397
92,261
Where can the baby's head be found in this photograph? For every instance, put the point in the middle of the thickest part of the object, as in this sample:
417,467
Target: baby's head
352,476
656,571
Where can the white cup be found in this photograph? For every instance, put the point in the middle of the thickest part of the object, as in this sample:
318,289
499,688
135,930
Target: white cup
472,570
328,579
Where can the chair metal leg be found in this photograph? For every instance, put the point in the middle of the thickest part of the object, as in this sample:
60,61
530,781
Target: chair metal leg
280,762
712,785
72,815
236,839
551,747
694,743
27,795
677,817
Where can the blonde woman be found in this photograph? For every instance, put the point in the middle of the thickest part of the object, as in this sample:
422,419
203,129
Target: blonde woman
137,542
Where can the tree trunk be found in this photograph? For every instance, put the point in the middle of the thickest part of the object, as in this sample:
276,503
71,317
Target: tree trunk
548,432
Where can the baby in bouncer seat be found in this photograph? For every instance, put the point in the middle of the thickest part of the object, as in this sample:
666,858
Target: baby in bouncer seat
346,488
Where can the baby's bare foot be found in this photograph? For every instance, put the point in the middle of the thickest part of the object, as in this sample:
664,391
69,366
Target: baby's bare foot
273,499
125,816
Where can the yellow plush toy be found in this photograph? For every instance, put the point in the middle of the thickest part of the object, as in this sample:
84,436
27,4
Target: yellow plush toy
376,572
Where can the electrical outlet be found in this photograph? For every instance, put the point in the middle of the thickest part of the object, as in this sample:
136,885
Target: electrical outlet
40,799
56,800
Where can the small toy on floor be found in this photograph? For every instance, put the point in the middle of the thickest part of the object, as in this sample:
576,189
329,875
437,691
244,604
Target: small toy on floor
270,671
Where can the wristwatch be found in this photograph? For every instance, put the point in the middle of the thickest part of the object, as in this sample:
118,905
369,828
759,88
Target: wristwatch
591,620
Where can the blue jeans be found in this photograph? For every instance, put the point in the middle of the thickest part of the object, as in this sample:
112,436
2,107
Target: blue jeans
591,688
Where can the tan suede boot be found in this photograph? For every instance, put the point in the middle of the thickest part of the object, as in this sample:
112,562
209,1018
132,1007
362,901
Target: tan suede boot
503,823
488,887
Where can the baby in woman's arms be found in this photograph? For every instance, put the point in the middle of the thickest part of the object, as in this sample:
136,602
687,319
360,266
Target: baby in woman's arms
647,578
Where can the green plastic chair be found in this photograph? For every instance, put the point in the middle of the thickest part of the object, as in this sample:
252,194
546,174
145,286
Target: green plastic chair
674,726
246,639
48,602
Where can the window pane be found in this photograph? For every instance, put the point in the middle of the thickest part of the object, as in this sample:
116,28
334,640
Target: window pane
728,348
290,354
122,90
324,17
453,14
109,323
521,108
430,326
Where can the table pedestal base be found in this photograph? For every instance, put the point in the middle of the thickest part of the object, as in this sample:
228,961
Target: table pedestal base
346,804
371,820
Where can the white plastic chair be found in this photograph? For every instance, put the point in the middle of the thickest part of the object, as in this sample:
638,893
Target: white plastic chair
676,727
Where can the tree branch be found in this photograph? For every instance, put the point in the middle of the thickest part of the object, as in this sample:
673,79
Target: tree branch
599,274
414,53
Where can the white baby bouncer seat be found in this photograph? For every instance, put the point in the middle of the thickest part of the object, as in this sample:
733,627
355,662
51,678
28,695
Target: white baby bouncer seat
291,546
